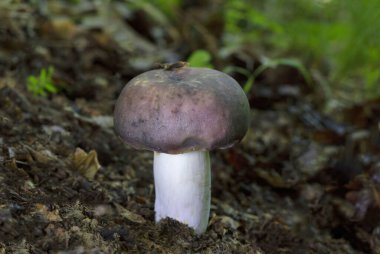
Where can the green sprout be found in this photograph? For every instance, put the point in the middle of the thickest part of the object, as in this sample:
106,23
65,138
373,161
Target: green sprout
43,84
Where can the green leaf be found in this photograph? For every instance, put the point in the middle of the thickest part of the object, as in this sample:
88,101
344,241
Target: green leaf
200,58
42,80
248,84
51,88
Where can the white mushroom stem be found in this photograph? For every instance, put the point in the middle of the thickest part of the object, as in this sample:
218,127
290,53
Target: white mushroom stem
183,188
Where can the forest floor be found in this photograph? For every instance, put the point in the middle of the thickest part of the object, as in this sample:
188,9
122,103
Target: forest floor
300,182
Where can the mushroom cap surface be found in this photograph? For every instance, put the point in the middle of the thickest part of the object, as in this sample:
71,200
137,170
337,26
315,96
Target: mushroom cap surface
180,110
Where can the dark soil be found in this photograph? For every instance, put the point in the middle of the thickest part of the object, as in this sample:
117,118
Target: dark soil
300,182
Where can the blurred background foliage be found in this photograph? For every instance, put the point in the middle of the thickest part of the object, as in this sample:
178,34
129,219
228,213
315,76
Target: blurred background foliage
337,40
333,44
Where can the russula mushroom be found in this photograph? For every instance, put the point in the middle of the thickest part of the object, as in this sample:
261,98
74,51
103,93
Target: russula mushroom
182,113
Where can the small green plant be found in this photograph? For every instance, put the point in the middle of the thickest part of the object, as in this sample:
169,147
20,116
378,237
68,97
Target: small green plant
43,84
268,63
337,38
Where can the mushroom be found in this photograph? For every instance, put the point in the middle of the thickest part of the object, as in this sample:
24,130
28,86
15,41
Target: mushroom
182,113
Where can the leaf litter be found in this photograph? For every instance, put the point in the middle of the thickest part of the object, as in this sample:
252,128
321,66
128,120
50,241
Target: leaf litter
300,182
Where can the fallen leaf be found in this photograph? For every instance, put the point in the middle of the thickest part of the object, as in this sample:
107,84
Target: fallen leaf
43,156
125,213
42,210
62,28
86,164
272,178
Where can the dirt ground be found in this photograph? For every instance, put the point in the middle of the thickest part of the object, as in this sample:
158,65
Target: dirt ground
300,182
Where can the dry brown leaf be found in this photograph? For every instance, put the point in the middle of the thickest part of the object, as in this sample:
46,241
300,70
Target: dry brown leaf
86,164
11,164
125,213
63,28
42,156
272,178
42,210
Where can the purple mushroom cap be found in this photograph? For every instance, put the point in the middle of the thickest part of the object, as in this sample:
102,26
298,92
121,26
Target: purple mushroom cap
180,110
